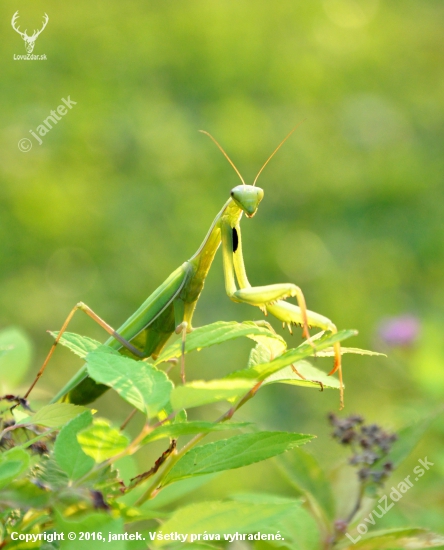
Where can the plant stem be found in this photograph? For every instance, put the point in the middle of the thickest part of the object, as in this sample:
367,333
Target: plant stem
357,505
133,447
127,419
155,487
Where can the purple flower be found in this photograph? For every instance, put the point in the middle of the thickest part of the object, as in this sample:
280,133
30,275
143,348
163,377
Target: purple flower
399,331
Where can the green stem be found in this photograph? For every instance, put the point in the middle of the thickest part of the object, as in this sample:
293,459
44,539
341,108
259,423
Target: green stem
331,542
155,487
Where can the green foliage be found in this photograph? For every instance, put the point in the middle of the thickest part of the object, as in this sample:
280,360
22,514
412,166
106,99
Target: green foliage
67,451
191,428
77,469
409,437
80,345
307,477
140,384
199,392
60,467
236,452
102,441
303,373
227,517
262,371
53,416
410,537
217,333
13,464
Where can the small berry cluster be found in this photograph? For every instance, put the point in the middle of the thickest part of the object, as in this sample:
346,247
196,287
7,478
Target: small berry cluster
370,444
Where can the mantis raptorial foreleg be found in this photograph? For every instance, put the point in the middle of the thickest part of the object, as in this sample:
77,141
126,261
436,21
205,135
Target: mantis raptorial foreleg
259,296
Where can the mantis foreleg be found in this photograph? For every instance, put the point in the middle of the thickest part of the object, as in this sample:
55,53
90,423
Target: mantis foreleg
270,298
256,296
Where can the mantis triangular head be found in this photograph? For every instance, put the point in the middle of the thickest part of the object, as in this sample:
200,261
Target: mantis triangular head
247,197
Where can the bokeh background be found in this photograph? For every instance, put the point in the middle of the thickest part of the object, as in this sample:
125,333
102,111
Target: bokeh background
124,188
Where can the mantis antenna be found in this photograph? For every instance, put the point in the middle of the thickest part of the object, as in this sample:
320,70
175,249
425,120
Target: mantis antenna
225,154
275,151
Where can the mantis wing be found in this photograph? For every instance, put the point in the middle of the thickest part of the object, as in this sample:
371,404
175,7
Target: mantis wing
148,329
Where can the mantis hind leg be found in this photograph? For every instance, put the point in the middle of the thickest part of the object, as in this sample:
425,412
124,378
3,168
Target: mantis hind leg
86,309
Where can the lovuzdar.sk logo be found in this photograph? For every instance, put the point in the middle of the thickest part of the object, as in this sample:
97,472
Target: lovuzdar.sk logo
29,39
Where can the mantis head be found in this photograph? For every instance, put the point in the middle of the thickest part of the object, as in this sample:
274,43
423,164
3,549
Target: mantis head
247,197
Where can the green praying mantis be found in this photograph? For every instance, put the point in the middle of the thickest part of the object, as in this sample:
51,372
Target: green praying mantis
171,306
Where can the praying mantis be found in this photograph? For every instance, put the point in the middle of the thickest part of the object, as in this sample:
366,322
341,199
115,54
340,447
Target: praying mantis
171,306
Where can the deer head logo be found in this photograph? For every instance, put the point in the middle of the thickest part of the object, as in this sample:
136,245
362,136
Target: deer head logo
29,40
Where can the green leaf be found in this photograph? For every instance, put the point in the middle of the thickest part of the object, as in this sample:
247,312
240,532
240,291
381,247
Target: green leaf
24,494
102,441
410,537
176,490
408,438
15,358
20,415
138,383
329,352
13,463
311,374
190,428
80,345
263,371
266,350
222,518
303,472
67,451
235,452
298,528
216,333
199,392
53,416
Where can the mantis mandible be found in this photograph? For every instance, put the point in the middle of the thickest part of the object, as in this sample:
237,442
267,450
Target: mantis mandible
171,306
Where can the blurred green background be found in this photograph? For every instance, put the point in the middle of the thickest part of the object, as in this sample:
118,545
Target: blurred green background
124,188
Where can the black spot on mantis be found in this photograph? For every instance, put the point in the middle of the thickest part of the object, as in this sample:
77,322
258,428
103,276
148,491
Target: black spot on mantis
235,240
